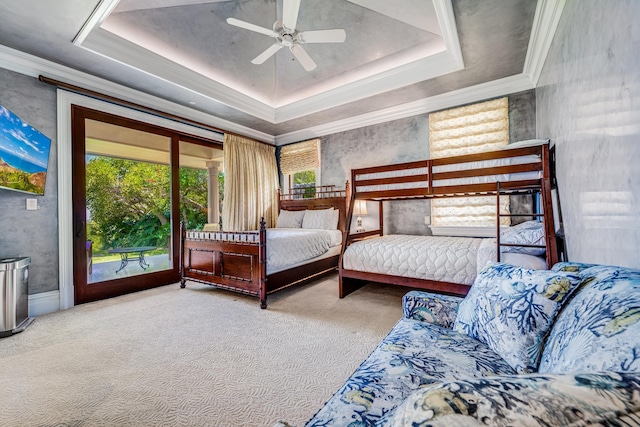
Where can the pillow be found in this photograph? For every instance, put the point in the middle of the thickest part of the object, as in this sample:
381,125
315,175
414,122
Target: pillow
335,218
598,328
290,219
511,308
575,399
526,233
319,219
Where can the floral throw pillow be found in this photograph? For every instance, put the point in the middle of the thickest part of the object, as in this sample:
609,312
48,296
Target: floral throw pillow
511,308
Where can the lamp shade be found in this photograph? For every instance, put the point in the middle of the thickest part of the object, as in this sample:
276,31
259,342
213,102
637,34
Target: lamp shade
360,208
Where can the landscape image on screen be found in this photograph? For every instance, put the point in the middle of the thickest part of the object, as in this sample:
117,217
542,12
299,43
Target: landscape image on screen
24,155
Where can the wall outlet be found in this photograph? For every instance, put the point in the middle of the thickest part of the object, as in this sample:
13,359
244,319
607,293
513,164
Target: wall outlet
427,220
32,204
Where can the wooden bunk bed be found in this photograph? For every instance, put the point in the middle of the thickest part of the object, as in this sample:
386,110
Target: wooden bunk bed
511,171
237,261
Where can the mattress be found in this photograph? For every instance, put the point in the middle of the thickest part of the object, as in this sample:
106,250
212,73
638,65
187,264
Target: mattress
288,246
441,258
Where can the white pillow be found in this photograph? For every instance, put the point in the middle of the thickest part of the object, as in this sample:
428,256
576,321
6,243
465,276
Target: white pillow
526,233
335,218
290,219
319,219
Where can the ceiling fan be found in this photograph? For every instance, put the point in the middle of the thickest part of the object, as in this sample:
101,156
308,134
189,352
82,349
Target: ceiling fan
287,35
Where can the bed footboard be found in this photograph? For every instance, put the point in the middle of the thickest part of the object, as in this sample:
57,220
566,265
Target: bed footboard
234,261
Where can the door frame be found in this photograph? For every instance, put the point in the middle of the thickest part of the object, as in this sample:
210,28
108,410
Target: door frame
65,100
126,284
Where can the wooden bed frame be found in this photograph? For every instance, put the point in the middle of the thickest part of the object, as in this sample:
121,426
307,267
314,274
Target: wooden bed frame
420,185
237,261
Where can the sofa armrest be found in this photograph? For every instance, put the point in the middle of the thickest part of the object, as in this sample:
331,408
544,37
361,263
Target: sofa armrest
588,398
433,308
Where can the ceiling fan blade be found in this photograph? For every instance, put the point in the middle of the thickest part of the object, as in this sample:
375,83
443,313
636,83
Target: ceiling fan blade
303,57
251,27
290,10
322,36
271,50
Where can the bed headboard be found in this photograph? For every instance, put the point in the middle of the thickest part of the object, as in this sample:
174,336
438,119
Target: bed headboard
322,197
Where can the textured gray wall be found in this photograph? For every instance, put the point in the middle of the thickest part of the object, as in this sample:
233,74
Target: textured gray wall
32,233
401,141
588,101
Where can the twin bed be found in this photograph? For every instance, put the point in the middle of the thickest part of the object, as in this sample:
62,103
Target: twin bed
261,262
441,263
307,242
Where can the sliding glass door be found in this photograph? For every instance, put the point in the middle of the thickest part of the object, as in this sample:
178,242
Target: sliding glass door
133,183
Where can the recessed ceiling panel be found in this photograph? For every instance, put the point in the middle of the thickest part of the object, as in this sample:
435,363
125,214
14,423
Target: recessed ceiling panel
197,36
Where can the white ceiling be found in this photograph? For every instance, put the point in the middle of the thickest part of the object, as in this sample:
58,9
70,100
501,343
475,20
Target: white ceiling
183,51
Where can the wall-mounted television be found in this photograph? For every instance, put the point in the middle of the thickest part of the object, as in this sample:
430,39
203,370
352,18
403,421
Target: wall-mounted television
24,155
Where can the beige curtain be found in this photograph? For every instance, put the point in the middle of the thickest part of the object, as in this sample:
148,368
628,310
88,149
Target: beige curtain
250,184
300,157
468,130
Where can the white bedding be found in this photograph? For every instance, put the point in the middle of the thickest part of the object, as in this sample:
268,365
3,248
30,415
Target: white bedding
286,247
441,258
289,246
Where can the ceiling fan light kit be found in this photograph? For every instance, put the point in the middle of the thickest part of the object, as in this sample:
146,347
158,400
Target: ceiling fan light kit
287,35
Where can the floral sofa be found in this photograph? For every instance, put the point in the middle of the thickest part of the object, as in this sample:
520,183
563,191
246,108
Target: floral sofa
555,347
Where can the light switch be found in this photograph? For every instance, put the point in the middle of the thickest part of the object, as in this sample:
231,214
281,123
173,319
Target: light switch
427,220
32,204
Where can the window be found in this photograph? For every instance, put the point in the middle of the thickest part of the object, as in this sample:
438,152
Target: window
467,130
300,165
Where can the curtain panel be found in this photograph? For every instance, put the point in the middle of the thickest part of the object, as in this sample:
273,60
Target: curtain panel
251,184
300,157
470,129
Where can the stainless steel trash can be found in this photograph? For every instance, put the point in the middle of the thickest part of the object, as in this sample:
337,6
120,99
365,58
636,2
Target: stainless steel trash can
14,295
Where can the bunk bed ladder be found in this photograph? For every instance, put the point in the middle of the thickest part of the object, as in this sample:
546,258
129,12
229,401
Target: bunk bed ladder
546,214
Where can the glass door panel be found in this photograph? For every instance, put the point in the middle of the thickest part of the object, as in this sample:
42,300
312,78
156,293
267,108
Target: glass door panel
123,191
201,184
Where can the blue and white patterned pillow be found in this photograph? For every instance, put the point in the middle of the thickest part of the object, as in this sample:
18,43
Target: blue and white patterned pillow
599,328
290,219
511,308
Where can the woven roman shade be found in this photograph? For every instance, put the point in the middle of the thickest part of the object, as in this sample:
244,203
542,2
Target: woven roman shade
468,130
300,157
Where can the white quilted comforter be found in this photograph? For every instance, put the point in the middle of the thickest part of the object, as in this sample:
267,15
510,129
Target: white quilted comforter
288,246
448,259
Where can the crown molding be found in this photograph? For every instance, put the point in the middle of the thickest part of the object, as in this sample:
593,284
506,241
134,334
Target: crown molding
34,66
545,24
116,48
447,21
100,13
102,42
505,86
414,72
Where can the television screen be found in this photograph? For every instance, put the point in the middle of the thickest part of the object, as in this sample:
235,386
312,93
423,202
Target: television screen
24,155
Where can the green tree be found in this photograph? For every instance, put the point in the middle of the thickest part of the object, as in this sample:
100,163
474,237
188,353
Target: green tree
129,201
193,197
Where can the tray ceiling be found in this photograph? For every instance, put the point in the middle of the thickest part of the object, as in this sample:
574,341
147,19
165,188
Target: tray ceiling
185,52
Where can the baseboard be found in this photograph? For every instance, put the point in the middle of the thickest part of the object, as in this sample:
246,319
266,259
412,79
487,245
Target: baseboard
43,303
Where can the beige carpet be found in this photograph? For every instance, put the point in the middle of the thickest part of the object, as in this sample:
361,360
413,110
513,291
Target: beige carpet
192,357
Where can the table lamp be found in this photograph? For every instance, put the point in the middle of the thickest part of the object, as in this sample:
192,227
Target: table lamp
359,209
